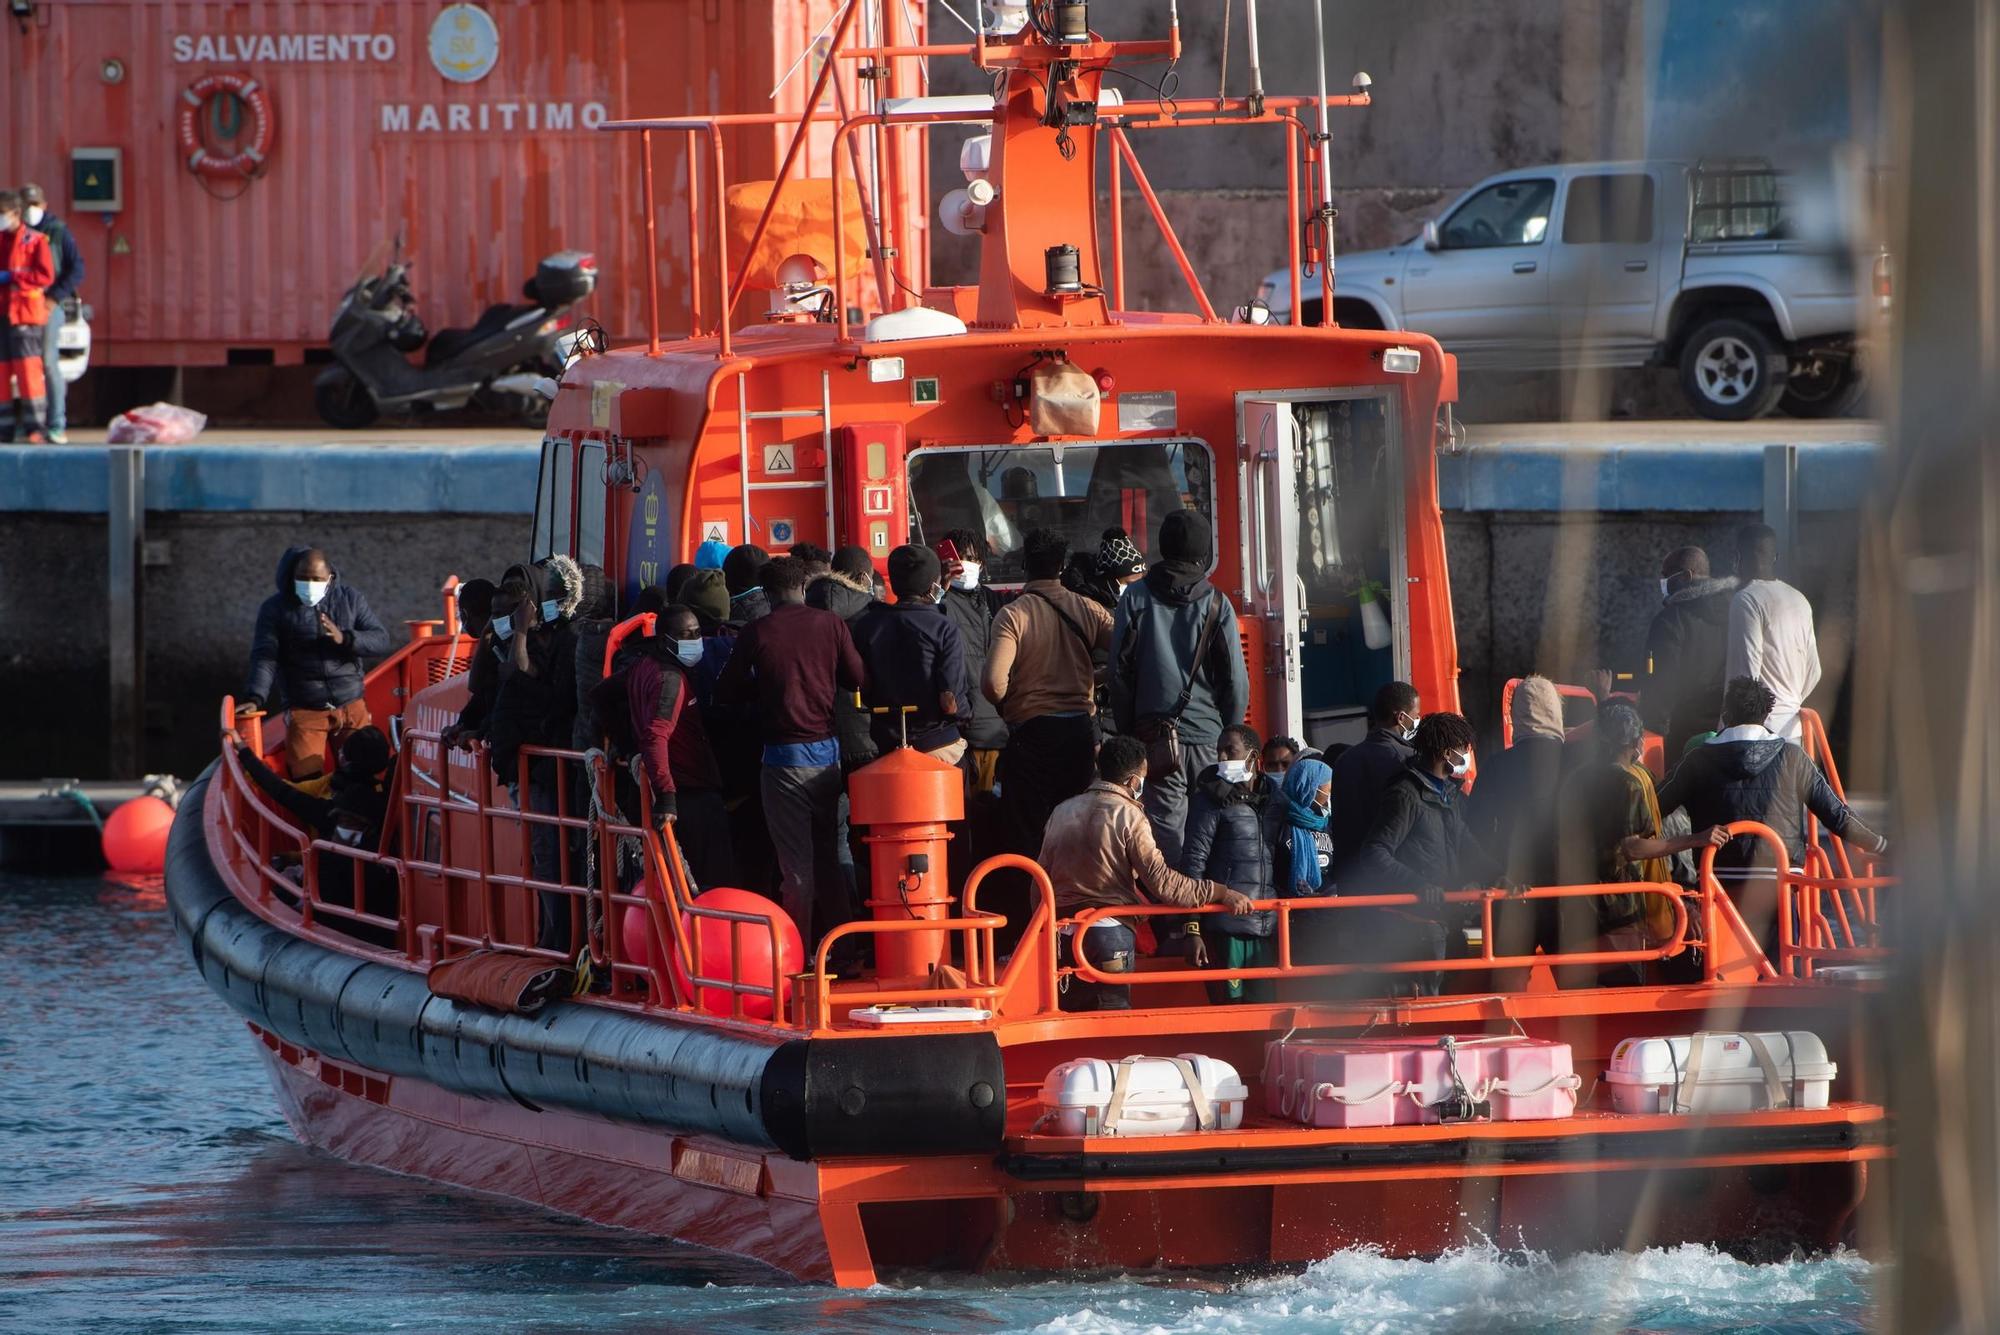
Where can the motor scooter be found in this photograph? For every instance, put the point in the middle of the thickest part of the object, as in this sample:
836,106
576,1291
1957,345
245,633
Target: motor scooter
503,363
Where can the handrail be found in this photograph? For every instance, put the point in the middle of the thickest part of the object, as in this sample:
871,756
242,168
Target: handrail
255,831
1115,120
986,983
1806,937
1286,968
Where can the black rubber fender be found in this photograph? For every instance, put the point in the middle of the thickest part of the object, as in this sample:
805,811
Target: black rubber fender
907,1094
467,1041
649,1070
311,1002
911,1094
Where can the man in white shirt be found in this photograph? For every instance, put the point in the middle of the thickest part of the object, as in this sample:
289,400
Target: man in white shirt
1771,631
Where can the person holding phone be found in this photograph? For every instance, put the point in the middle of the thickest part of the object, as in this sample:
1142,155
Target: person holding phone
308,651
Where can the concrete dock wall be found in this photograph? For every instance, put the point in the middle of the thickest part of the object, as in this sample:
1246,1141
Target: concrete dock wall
1554,536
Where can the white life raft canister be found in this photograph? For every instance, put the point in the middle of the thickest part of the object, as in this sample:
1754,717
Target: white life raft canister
1720,1072
1142,1096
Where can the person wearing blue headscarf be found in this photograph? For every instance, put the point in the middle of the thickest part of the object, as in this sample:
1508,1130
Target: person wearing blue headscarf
710,555
1308,789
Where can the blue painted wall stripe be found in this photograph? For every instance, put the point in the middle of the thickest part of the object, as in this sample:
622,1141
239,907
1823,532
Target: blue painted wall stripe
332,479
500,479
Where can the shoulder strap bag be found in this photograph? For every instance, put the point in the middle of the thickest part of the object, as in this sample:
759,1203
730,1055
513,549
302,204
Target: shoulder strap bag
1162,732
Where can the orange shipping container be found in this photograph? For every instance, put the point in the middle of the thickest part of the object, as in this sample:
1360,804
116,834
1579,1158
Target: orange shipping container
465,129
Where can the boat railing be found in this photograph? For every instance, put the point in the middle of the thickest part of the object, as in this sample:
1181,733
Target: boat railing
257,837
1652,751
1024,984
1823,917
884,223
1289,967
455,894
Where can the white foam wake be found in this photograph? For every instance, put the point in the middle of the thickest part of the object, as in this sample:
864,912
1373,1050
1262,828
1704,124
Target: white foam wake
1483,1289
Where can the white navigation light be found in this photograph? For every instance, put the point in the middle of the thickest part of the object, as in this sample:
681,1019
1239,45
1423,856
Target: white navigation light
883,370
1402,361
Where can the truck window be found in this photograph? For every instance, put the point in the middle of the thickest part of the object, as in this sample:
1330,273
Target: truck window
1079,490
552,499
1508,213
1735,201
1609,210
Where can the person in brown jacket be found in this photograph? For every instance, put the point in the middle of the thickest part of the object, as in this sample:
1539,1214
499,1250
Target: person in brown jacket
1041,674
1099,851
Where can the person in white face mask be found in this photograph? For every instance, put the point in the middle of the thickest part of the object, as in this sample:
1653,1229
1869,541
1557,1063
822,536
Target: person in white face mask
971,604
660,690
1236,818
309,652
915,665
26,270
1362,775
1422,844
61,293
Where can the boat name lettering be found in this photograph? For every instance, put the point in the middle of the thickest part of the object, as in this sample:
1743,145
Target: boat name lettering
486,117
298,48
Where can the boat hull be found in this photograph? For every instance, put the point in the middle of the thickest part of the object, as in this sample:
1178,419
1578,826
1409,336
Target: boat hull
691,1188
840,1221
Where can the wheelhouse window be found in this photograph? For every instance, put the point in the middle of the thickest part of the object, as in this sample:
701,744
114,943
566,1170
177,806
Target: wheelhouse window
590,504
1077,489
554,499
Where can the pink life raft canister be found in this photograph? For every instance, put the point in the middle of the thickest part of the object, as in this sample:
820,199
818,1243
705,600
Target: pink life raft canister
1404,1082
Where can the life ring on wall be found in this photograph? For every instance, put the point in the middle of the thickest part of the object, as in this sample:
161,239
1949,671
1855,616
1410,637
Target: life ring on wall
247,161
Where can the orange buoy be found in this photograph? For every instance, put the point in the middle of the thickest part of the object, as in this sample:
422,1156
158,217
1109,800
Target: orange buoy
135,835
716,941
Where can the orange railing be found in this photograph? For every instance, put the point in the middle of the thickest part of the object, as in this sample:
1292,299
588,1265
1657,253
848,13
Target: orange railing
1025,985
1807,935
1652,753
459,857
453,893
1287,968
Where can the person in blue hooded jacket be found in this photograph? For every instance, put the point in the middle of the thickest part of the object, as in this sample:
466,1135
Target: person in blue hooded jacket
307,656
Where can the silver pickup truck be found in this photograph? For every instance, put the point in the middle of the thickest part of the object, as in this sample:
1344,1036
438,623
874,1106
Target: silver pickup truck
1614,264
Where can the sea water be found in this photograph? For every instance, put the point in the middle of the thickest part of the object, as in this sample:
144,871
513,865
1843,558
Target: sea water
148,1184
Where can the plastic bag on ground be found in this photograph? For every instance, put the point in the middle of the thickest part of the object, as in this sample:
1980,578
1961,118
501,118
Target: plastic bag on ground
156,424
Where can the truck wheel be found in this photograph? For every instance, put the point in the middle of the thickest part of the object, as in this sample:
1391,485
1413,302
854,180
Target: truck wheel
1732,370
1823,386
344,401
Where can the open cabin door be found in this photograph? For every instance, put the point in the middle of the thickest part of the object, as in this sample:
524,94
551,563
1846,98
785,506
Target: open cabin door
1270,451
1324,551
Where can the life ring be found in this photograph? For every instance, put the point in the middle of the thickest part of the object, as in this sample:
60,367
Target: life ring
249,161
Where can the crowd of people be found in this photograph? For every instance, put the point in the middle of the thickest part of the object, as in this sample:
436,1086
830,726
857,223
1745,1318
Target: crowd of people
40,272
1095,717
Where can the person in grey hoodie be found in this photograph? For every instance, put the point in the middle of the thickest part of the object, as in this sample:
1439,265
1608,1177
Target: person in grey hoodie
1176,660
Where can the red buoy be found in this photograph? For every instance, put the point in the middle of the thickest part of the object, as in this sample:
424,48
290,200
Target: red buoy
135,835
716,941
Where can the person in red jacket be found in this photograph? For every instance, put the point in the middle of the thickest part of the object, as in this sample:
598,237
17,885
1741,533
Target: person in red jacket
673,747
26,268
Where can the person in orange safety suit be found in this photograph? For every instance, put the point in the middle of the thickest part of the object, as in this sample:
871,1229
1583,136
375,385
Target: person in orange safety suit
25,270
